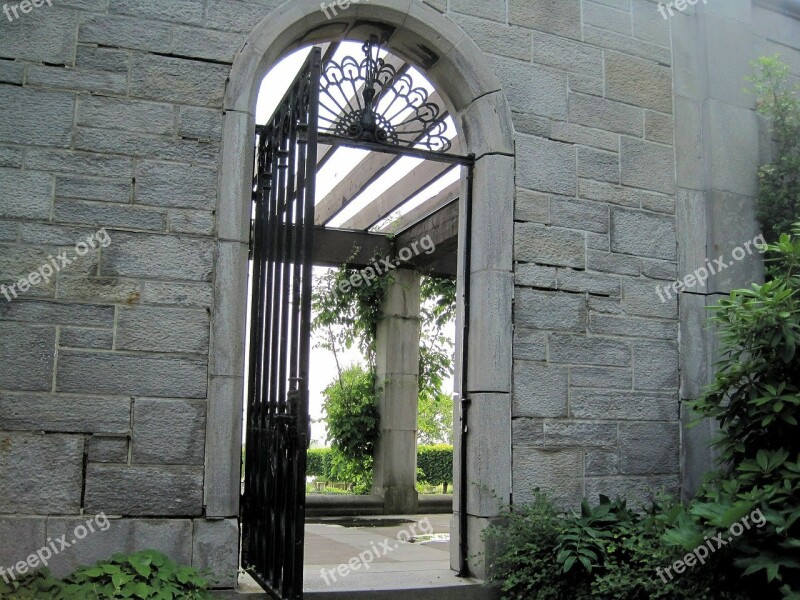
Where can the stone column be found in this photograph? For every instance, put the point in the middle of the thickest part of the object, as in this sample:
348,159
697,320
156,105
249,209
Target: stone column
397,345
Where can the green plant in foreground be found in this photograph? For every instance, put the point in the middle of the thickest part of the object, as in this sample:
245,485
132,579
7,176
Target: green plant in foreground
146,575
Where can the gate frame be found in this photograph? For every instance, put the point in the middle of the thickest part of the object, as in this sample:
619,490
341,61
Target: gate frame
473,95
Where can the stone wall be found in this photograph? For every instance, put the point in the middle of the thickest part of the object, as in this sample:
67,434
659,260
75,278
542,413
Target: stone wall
113,113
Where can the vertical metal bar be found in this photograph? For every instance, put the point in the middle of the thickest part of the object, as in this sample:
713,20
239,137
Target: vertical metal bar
463,522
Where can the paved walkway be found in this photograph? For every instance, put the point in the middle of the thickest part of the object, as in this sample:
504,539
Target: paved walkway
376,553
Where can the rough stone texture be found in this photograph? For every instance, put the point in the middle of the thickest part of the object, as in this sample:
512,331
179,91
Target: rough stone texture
27,356
638,82
544,310
64,412
181,186
576,349
215,547
103,449
649,448
562,18
643,234
169,257
168,431
540,390
546,166
647,165
559,472
138,490
28,535
162,330
25,195
40,473
549,245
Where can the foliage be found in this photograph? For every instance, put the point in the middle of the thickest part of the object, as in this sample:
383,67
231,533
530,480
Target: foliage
147,575
779,191
351,406
606,551
318,462
436,464
756,399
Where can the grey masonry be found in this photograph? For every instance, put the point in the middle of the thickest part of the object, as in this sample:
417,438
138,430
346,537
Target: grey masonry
621,141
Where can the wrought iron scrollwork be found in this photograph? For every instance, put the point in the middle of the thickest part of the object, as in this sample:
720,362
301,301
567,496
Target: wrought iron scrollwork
368,100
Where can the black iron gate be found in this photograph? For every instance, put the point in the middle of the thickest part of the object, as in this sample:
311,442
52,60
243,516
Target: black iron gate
273,500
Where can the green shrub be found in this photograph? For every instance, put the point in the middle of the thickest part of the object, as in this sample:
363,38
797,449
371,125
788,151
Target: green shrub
148,575
435,464
317,462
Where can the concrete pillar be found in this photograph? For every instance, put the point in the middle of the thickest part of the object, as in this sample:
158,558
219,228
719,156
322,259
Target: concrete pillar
397,359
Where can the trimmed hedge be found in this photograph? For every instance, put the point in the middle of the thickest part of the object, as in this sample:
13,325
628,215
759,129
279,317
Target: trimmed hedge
435,463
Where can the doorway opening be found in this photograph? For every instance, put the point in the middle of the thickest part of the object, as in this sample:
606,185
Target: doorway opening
368,175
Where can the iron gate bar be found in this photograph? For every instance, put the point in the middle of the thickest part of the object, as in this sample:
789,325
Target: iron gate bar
335,140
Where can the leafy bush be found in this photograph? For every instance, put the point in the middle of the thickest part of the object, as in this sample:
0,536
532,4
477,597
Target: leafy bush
147,575
318,462
436,464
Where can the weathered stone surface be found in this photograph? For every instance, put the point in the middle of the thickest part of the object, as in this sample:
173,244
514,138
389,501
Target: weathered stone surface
643,234
660,269
601,462
178,80
540,390
583,350
659,127
8,231
11,72
156,256
489,449
41,36
558,472
200,123
577,214
586,136
498,38
200,222
145,146
648,24
640,491
40,473
162,329
64,412
622,405
107,449
27,356
152,491
215,547
609,262
99,289
58,314
93,188
601,377
649,448
121,32
580,434
631,327
532,206
655,365
546,166
171,537
530,344
178,294
647,165
566,55
237,16
531,89
75,80
109,215
550,310
90,58
527,432
168,184
608,115
640,299
624,196
598,165
77,163
528,274
10,156
150,375
559,17
486,10
25,194
131,115
549,245
591,283
638,82
168,431
28,535
179,11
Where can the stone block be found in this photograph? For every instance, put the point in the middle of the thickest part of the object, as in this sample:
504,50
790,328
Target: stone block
207,44
633,327
697,345
68,210
493,217
490,331
177,294
566,55
200,123
590,283
28,535
199,222
550,310
158,256
153,375
530,344
659,127
103,449
8,231
546,166
639,491
178,80
228,328
586,136
215,547
638,82
11,72
655,365
180,11
74,80
606,17
643,233
489,454
660,269
622,405
28,355
532,206
601,462
649,448
540,390
557,472
558,17
181,186
647,165
162,329
91,58
131,115
640,299
549,245
607,115
64,412
40,473
497,38
51,313
237,16
10,156
494,10
121,32
145,146
608,262
528,274
586,85
731,62
531,124
648,24
731,136
577,214
42,36
527,432
598,165
93,188
625,196
168,431
223,465
99,289
77,163
583,350
152,491
172,537
579,434
601,377
531,89
26,195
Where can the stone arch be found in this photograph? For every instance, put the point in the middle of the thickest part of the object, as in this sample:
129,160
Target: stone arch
455,65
